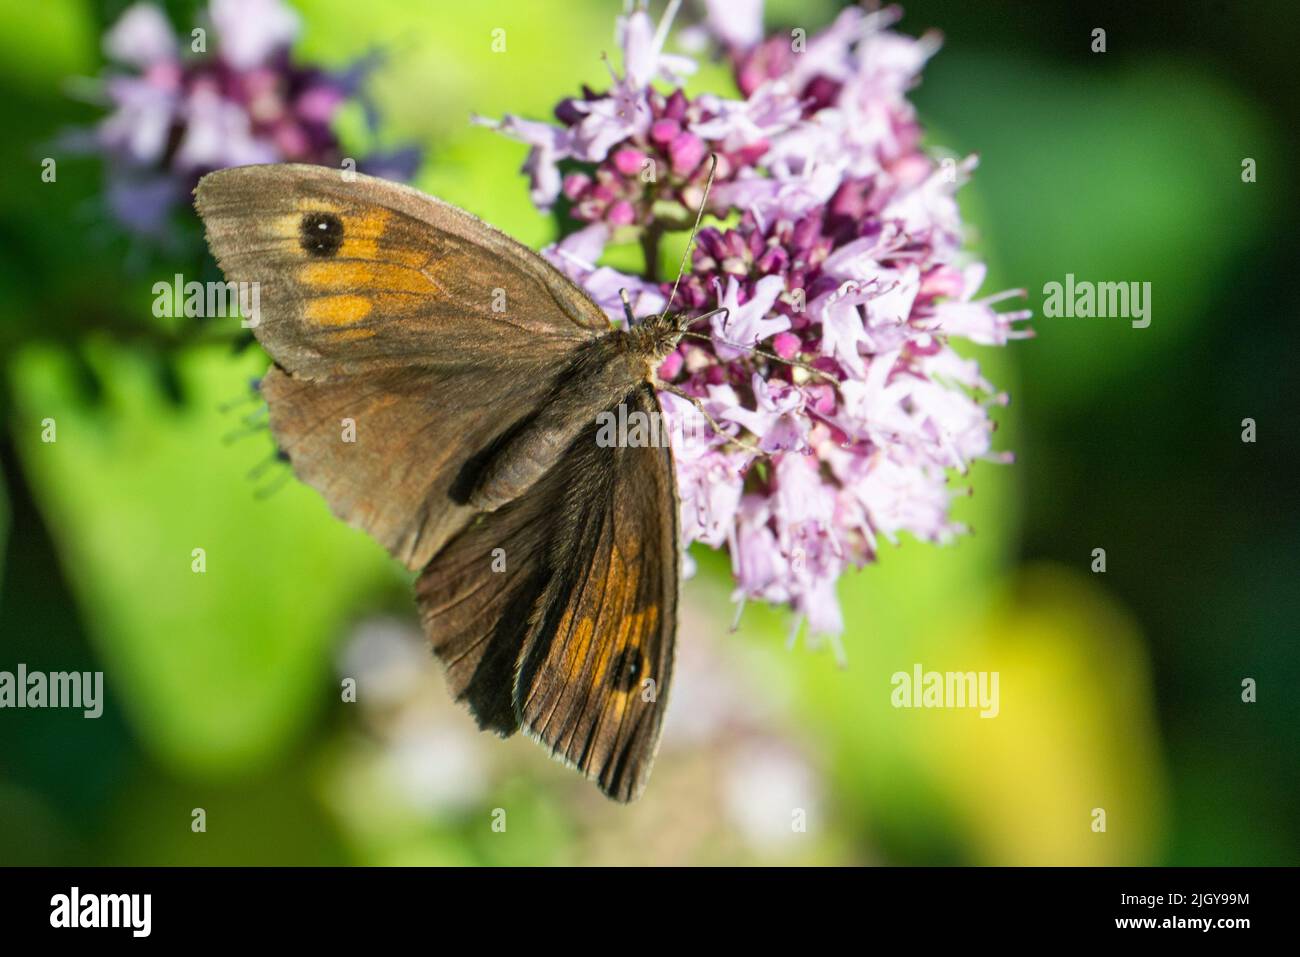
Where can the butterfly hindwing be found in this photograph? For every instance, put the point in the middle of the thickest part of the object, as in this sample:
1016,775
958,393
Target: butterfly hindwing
570,635
388,450
593,676
476,600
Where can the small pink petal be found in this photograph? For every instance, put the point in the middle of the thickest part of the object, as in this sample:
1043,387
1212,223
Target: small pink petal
164,74
320,103
786,345
672,365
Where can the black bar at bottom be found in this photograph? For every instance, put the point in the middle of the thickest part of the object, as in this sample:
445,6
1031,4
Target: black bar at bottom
335,905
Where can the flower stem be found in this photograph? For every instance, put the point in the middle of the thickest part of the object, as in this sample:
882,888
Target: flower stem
650,238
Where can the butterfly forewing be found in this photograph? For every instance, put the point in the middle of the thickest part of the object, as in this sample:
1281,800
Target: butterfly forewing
409,337
353,274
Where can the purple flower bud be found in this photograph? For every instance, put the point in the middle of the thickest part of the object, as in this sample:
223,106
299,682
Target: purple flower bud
663,131
772,261
628,161
574,184
675,108
820,93
621,213
786,345
805,235
568,113
709,242
686,152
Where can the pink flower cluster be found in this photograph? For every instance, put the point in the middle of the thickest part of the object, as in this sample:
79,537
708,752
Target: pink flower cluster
843,258
645,153
238,98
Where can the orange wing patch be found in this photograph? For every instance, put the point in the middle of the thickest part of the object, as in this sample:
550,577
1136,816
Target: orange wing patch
337,310
360,264
369,235
601,655
363,233
345,275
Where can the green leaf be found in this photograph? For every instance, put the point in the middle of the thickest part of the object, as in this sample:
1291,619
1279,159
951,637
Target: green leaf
1114,174
216,670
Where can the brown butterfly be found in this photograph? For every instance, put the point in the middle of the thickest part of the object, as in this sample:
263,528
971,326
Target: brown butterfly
470,375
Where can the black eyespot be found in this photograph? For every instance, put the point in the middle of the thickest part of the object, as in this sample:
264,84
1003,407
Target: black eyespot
320,234
627,668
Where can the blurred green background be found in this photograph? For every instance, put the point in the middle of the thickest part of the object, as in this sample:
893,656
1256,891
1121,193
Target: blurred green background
1119,690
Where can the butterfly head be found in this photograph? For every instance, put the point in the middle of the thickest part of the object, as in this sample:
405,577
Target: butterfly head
656,336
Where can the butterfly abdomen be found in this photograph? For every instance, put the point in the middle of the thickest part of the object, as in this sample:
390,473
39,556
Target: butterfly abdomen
602,374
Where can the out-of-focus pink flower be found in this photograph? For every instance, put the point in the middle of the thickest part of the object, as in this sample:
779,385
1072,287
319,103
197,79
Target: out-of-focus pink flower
175,118
252,31
219,132
139,128
736,24
141,37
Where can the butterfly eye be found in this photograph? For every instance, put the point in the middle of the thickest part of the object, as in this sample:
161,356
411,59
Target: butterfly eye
321,234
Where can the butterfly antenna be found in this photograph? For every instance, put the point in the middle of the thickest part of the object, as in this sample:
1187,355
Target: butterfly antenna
712,422
755,350
699,215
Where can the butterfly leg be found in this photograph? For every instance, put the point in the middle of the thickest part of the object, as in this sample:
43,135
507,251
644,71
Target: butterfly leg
699,406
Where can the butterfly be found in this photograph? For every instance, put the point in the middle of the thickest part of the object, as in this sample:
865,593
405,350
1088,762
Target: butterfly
441,384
